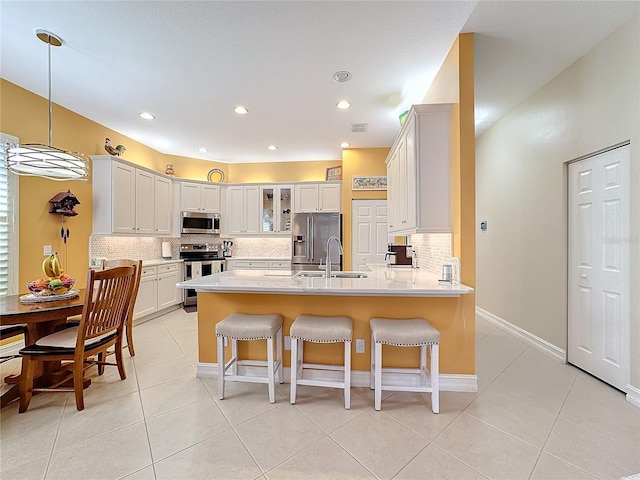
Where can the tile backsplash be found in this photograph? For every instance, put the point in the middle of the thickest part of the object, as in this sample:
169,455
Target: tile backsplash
150,248
433,250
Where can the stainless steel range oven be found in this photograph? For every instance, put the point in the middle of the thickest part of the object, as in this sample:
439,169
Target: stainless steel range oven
200,259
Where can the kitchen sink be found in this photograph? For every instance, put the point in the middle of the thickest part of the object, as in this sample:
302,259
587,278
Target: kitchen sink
338,274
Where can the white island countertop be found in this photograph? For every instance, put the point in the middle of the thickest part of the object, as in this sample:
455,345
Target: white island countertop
381,281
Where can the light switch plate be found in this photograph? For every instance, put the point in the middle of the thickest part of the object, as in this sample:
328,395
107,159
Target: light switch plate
359,345
47,250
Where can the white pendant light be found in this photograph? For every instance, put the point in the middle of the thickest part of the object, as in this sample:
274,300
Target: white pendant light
37,160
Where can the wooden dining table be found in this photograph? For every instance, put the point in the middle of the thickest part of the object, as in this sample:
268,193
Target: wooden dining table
41,319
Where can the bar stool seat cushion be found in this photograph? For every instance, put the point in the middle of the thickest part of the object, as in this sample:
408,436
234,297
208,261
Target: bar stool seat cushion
248,326
319,329
414,332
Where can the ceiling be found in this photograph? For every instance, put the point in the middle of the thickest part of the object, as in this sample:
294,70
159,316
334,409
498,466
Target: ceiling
191,63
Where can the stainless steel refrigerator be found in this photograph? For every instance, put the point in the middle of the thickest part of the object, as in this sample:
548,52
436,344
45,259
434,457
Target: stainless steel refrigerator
310,232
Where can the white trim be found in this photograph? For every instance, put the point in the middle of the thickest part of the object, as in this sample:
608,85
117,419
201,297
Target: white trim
537,342
11,348
633,395
448,382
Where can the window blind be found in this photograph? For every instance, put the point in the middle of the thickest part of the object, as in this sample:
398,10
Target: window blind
8,224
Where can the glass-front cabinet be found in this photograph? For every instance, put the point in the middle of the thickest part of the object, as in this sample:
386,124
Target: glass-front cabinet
276,208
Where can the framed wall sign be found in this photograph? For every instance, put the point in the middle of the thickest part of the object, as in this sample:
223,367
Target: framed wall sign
368,183
334,173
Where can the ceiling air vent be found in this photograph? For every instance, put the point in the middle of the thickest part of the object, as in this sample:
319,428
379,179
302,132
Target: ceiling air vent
359,127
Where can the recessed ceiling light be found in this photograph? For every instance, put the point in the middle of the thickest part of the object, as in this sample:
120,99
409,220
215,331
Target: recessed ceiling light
203,150
272,147
342,76
241,110
344,144
147,116
343,104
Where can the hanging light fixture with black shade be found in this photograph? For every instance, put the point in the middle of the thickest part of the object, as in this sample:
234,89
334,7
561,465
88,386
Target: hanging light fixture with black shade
37,160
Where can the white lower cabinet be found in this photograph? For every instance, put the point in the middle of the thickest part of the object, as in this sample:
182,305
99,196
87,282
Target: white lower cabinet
147,300
279,265
158,289
258,264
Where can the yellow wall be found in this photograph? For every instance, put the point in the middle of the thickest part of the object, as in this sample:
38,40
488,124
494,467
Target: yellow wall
356,163
280,171
454,84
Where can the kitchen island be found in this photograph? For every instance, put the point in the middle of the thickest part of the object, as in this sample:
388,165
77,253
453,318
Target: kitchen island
386,292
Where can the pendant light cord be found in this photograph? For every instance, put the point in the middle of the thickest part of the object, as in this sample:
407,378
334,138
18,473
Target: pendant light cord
50,104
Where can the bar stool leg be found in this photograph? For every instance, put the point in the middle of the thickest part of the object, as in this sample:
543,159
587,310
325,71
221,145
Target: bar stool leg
221,368
435,379
294,370
378,375
270,371
234,356
373,362
347,375
279,352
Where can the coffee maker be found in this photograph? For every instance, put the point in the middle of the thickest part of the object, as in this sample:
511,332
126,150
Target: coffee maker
399,255
226,248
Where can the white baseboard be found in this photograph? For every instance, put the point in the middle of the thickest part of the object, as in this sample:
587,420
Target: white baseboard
359,378
537,342
633,395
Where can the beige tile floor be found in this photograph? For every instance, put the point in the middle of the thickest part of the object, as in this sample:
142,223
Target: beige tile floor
533,418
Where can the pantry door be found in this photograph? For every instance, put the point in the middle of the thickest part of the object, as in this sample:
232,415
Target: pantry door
599,276
368,232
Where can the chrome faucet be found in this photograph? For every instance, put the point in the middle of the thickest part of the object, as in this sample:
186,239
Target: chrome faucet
327,271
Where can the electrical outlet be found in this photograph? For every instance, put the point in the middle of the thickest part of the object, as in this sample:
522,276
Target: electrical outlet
287,342
47,250
359,345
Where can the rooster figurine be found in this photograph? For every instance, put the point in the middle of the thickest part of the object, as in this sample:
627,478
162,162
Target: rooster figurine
121,149
110,150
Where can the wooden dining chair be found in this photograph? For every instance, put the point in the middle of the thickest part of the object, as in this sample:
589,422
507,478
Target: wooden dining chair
108,295
123,262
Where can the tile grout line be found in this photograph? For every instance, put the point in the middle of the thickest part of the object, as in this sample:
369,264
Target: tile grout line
555,422
55,441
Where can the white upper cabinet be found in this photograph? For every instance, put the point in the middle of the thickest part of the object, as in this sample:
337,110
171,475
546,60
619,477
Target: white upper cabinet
243,210
419,173
317,197
199,197
129,200
145,206
117,196
163,193
276,205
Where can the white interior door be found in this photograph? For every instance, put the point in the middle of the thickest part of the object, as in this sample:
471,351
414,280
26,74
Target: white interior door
368,232
599,276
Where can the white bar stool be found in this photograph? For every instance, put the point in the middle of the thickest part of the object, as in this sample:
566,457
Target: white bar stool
413,332
245,327
318,329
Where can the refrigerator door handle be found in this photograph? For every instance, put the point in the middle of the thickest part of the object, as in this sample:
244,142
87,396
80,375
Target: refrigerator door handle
312,234
308,249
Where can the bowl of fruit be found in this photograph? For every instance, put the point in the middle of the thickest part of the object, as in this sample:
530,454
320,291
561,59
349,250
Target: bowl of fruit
51,286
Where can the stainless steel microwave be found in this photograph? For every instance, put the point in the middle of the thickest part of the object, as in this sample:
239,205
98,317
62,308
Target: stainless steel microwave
199,222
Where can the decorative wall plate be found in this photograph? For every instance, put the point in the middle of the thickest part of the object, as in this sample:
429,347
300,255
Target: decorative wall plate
215,175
